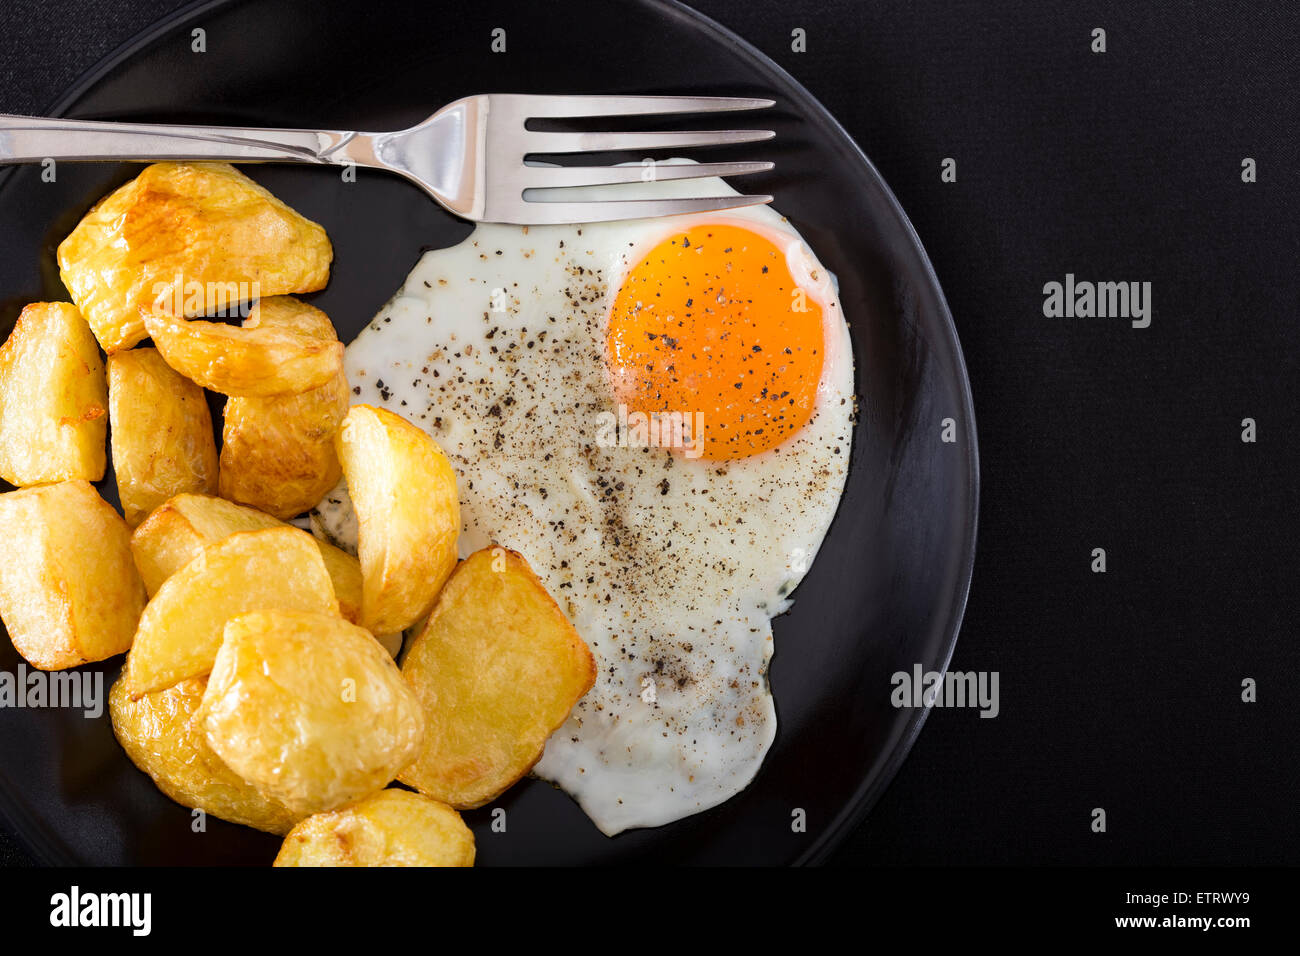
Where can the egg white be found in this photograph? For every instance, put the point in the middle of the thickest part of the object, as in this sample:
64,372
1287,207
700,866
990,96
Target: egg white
671,568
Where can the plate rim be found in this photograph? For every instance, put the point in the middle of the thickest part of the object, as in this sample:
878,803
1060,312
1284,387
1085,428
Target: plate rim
869,791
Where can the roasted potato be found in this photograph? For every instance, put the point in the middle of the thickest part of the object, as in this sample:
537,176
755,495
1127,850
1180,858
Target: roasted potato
388,828
180,629
277,453
190,239
69,591
53,398
175,533
256,358
162,433
345,571
408,515
309,709
163,735
497,669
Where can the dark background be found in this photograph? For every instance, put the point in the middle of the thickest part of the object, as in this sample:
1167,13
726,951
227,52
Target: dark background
1119,690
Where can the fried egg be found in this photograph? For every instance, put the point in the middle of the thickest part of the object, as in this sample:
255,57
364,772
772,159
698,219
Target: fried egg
657,414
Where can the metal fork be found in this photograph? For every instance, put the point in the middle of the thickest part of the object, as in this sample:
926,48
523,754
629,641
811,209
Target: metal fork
469,156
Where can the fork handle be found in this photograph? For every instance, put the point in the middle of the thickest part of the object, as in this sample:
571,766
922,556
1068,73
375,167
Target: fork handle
31,139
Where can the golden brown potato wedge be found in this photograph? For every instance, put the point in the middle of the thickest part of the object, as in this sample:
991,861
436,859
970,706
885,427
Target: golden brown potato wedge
53,398
162,433
345,572
189,239
309,709
163,735
408,515
277,452
497,670
175,533
388,828
69,591
253,359
180,629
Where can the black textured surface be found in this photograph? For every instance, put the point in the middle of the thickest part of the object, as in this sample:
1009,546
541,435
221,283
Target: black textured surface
1119,690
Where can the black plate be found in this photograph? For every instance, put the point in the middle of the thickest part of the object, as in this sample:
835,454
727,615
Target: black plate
889,586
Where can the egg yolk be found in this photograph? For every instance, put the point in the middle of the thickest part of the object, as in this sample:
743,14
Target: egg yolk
712,325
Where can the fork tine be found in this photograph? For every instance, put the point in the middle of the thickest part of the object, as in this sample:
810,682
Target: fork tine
551,213
546,177
574,107
619,142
